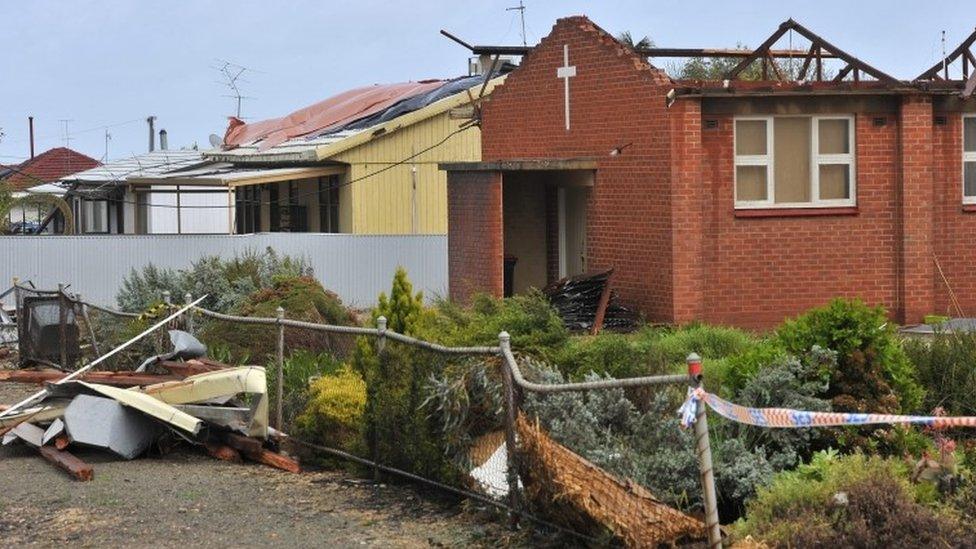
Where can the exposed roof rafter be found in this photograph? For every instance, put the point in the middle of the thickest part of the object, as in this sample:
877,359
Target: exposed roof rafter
819,50
962,51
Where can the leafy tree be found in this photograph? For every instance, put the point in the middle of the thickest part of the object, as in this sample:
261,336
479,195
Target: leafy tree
626,38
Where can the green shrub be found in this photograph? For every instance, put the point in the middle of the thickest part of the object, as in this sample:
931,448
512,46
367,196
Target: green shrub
398,429
535,327
945,365
226,282
711,342
787,382
616,355
734,372
873,374
303,298
300,368
334,414
846,501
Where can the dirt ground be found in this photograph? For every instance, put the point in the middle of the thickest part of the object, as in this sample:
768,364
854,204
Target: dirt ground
188,499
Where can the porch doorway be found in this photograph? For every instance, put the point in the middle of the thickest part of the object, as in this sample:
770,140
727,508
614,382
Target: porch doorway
545,226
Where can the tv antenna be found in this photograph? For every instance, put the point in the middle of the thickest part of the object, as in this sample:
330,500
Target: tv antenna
233,78
108,137
64,126
521,9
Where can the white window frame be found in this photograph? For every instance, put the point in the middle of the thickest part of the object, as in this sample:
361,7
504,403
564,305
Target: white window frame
816,160
966,157
92,209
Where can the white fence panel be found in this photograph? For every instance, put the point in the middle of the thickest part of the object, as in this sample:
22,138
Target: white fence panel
356,267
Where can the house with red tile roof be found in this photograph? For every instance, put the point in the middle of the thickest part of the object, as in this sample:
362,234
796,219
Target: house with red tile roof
51,165
37,173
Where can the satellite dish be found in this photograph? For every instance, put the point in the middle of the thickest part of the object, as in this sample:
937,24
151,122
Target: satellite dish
216,141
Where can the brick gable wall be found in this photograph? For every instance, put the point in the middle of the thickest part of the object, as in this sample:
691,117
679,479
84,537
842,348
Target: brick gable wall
615,99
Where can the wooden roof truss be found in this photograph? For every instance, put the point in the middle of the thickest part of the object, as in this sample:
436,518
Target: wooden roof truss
964,54
819,50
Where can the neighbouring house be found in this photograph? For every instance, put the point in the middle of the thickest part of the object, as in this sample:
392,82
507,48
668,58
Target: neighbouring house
104,201
35,176
364,161
731,201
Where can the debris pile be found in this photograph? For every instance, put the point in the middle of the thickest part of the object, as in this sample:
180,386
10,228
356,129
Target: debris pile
219,408
587,303
585,498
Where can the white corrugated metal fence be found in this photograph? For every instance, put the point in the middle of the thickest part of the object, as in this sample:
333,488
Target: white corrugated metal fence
356,267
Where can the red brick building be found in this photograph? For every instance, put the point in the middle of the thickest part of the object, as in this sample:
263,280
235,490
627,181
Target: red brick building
736,202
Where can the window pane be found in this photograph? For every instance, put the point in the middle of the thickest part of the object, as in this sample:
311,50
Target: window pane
791,149
750,137
835,181
969,135
969,184
834,137
750,183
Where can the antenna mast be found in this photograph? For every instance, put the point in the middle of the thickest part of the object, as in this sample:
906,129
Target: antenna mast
232,73
521,9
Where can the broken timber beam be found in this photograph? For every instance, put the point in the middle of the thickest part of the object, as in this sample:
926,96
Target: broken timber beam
222,452
116,379
67,462
190,367
257,452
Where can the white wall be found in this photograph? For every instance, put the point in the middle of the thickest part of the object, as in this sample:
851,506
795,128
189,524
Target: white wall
195,220
356,267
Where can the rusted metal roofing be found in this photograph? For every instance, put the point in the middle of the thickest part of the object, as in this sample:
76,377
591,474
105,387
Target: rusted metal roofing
331,113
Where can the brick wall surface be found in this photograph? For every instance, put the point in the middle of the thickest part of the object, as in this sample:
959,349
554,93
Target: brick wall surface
955,229
662,213
615,99
761,270
474,234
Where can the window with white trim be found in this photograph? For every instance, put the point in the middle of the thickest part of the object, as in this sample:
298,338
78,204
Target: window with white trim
969,159
797,161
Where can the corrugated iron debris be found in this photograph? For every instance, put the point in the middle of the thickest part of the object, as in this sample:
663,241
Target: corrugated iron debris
587,303
223,410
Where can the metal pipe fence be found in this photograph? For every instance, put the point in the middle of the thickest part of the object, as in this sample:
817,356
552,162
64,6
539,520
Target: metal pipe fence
513,381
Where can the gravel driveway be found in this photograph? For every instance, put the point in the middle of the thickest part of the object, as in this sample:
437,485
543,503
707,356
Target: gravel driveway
188,499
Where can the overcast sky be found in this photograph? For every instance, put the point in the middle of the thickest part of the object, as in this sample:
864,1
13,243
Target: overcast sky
113,63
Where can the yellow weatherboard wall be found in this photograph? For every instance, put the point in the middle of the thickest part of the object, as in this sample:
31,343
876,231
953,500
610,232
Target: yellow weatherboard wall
384,203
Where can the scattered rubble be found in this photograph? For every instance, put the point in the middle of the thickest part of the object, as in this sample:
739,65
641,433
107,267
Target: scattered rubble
221,409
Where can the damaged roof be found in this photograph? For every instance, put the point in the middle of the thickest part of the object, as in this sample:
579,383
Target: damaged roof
155,163
320,144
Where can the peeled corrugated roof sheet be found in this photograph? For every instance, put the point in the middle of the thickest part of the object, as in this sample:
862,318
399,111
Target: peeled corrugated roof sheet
331,113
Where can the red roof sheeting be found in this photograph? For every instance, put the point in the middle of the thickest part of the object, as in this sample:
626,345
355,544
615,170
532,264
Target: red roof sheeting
330,113
51,165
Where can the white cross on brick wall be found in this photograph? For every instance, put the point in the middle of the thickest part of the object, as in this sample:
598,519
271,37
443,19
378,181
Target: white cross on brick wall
566,72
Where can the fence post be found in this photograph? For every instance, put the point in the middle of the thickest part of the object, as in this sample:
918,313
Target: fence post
187,299
18,310
505,341
280,389
166,298
62,327
704,451
380,348
79,303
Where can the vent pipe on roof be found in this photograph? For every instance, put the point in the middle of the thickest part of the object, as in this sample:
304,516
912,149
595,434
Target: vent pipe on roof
152,133
30,126
163,144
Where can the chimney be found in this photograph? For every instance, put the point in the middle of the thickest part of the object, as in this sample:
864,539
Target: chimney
30,125
162,140
152,133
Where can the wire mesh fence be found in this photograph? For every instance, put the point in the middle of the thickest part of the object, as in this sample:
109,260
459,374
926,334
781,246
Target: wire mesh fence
600,461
